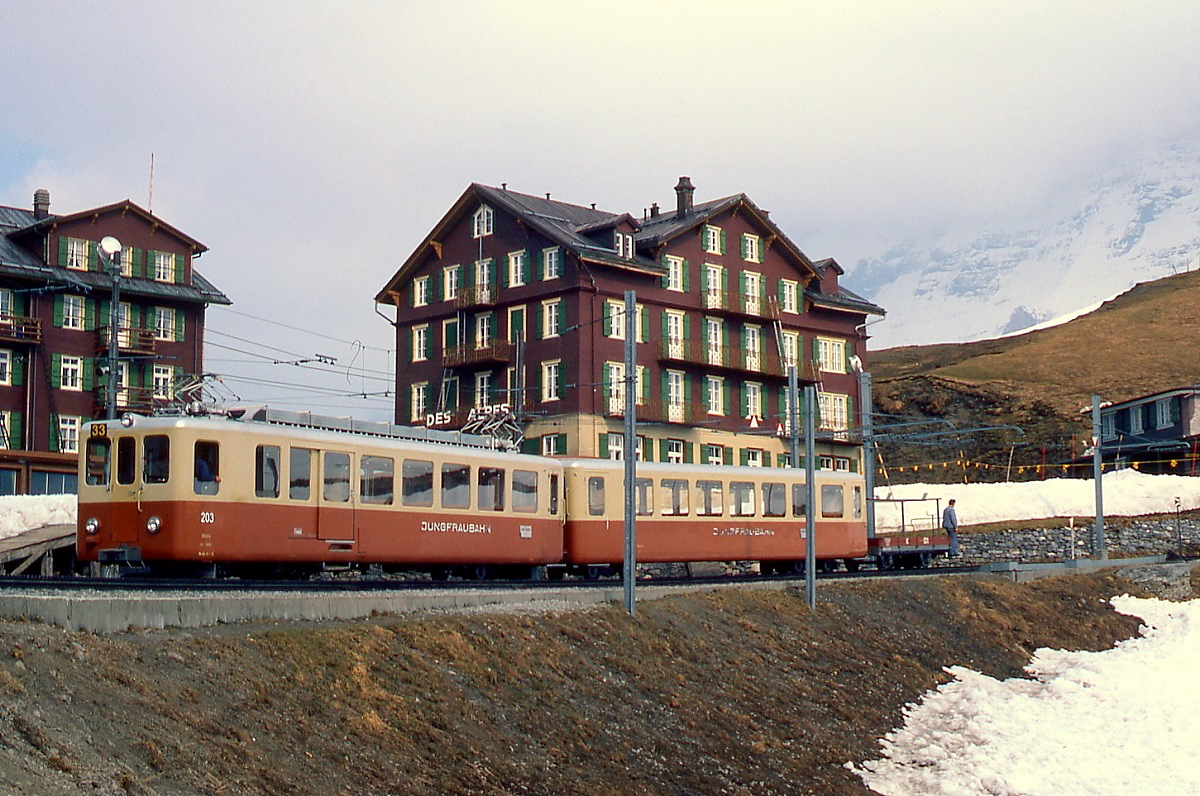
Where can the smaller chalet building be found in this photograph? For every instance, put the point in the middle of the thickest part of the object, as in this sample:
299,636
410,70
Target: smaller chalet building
518,299
55,300
1158,433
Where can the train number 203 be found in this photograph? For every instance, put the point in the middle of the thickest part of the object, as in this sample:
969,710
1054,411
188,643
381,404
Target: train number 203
207,517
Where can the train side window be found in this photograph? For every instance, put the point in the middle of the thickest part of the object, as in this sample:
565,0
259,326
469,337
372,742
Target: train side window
711,501
643,491
675,497
156,451
337,477
207,479
553,494
490,495
833,500
774,500
596,496
266,471
456,486
300,473
126,460
799,500
741,499
858,502
525,490
99,459
377,480
418,483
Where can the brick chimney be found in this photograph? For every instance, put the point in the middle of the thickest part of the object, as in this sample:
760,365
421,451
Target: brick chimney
41,204
683,197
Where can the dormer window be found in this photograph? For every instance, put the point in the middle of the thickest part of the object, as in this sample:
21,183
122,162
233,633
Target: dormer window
482,222
623,243
77,254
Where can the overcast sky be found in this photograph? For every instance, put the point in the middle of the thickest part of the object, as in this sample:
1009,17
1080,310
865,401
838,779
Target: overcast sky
312,145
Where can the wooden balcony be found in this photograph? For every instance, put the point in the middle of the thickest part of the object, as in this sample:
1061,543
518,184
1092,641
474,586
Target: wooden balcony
129,399
659,412
727,358
130,340
733,303
20,329
476,296
472,354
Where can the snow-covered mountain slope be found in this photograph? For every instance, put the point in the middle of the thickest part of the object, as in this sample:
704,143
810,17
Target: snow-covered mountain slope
1132,225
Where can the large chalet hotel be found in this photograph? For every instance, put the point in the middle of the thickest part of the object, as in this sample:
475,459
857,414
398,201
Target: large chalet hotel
519,300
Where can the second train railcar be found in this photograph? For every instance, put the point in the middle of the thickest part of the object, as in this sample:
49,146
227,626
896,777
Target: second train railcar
235,495
697,513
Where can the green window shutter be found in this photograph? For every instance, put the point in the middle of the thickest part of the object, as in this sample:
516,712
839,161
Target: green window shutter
148,264
816,349
727,454
435,286
726,393
645,384
643,324
147,376
180,326
505,270
687,327
56,370
19,301
666,390
610,320
531,446
854,465
744,456
743,241
54,433
686,276
689,454
451,332
722,241
561,318
525,255
18,370
687,391
88,378
408,344
467,275
744,407
16,421
703,280
724,280
603,446
663,447
93,257
537,322
742,283
725,335
663,318
560,444
665,279
179,269
91,308
538,266
648,449
62,252
58,310
559,379
781,290
850,411
405,406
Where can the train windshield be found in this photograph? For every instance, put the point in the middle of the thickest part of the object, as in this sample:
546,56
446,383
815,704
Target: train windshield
98,457
833,500
208,468
156,459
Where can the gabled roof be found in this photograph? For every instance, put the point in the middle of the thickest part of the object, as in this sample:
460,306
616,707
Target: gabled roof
125,206
560,222
842,300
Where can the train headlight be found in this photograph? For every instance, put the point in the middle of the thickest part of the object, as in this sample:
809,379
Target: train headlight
153,524
92,526
127,420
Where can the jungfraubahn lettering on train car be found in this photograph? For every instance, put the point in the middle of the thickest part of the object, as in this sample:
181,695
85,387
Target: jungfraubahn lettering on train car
455,527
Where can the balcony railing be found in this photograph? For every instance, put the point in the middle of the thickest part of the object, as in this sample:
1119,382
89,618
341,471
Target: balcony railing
740,303
20,329
491,351
130,399
476,296
764,363
137,341
659,411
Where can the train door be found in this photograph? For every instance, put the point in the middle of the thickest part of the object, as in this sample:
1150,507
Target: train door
335,505
126,492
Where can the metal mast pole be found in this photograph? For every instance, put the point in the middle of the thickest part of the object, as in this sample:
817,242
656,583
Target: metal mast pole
1098,547
868,439
810,480
109,250
630,569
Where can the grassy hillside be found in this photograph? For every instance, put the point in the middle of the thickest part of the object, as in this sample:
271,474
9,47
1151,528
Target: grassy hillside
1140,342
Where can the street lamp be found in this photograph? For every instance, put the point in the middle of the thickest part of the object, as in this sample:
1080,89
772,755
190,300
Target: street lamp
109,249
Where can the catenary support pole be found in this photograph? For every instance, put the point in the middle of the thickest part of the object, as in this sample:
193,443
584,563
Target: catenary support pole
810,483
1099,550
868,441
629,572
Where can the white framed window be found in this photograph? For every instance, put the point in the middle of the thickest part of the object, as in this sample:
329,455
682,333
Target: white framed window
6,303
754,399
831,354
752,292
714,395
123,384
675,409
614,324
616,446
615,388
713,238
826,462
791,348
835,409
483,388
552,380
1162,412
675,451
751,248
72,312
485,329
516,269
788,292
164,382
841,464
552,444
551,263
754,457
449,394
484,280
6,361
623,243
164,267
714,454
450,283
714,280
1108,426
1136,415
516,323
126,260
551,318
675,273
70,373
77,254
714,337
482,223
420,402
421,291
752,340
68,434
420,343
164,323
675,326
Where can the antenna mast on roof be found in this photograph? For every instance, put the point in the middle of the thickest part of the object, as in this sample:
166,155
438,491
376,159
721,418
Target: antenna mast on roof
150,201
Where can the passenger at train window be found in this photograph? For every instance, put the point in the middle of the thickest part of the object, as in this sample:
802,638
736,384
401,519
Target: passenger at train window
207,474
